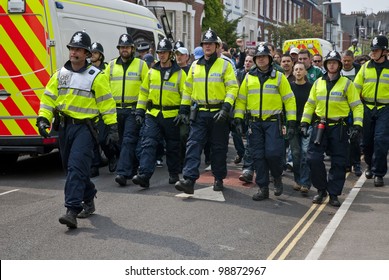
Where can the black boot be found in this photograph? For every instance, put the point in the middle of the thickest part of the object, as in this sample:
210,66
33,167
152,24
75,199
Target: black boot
246,177
173,178
185,185
378,181
121,180
318,199
368,173
88,209
69,219
141,180
218,185
357,169
334,201
278,186
262,194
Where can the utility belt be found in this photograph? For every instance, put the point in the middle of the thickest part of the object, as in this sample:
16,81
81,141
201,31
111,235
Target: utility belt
272,118
165,108
322,123
91,123
64,119
331,122
123,105
210,106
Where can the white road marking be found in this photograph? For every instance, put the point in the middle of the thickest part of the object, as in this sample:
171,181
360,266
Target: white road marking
15,190
325,237
206,194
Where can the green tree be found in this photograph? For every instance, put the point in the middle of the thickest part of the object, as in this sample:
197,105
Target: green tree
301,29
222,25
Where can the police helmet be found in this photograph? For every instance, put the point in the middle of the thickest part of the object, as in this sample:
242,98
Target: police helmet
80,39
209,37
355,40
333,55
125,40
97,47
143,47
379,42
178,44
262,50
164,46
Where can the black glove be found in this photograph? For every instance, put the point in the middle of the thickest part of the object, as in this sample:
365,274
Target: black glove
42,123
237,123
112,136
355,132
222,115
291,129
181,119
139,116
304,129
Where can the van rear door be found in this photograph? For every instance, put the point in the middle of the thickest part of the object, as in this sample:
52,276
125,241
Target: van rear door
25,69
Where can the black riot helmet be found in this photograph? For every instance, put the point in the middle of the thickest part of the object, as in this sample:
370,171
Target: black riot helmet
379,42
125,40
164,46
333,55
178,44
80,39
209,36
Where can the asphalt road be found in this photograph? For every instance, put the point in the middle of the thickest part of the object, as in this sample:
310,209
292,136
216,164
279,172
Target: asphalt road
158,223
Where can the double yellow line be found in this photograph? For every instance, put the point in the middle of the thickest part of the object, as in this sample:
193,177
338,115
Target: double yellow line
316,209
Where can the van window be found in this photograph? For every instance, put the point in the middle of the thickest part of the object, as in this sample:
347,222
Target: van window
139,35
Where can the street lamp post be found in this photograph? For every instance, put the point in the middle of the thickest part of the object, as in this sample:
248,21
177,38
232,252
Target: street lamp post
324,17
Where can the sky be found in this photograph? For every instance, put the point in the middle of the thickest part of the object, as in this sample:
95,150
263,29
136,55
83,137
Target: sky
370,6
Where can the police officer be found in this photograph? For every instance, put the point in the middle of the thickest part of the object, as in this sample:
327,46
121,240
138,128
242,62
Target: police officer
331,98
211,89
97,56
160,99
354,47
80,93
372,82
263,93
126,74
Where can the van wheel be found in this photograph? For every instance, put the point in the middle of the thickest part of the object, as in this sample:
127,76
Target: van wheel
7,160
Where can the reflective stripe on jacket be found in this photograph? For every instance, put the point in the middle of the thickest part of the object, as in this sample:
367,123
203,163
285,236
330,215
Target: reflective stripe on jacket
342,97
80,95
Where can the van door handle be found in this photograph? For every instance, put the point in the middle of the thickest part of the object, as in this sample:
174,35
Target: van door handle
4,95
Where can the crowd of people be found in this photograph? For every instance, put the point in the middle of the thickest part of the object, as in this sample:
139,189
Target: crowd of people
294,107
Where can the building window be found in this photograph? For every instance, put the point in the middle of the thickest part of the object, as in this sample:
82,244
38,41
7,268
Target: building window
185,28
274,9
171,17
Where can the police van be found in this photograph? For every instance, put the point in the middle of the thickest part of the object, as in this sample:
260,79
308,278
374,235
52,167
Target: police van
34,35
313,45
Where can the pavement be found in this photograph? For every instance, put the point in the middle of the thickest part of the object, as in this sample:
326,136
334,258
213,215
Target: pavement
360,228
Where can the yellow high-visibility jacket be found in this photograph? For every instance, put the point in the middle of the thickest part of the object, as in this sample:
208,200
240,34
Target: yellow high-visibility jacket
267,99
125,86
80,95
216,87
341,98
373,90
161,93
